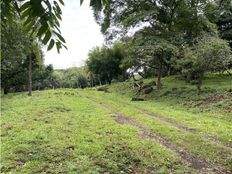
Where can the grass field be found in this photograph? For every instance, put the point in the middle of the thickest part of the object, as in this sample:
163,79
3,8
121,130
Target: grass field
90,132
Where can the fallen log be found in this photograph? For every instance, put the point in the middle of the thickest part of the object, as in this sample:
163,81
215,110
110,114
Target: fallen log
137,99
102,89
148,90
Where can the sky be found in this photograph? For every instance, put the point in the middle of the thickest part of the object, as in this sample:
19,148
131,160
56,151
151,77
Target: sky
81,33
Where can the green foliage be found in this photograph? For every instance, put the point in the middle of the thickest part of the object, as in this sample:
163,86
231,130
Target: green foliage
104,63
18,49
69,78
161,28
15,47
40,18
154,53
82,81
209,54
220,13
159,18
60,131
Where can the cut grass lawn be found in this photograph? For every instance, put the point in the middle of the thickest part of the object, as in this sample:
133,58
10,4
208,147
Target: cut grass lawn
62,132
193,143
90,132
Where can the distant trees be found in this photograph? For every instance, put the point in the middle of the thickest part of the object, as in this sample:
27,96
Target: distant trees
73,78
21,60
105,62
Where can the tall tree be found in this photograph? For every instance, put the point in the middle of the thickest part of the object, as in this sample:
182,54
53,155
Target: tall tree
19,55
163,24
105,63
36,55
14,50
152,52
220,13
163,18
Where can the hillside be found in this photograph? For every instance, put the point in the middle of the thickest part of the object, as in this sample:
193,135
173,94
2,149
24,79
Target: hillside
216,94
89,131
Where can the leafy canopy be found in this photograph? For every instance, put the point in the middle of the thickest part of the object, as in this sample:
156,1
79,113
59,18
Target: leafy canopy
40,18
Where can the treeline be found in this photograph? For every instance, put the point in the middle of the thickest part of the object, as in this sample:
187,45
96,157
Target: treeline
23,68
186,37
149,38
21,59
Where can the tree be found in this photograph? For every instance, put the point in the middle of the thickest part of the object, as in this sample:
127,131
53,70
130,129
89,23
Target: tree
69,78
82,81
220,13
42,77
163,26
91,79
163,18
21,57
152,52
14,50
105,63
36,54
209,54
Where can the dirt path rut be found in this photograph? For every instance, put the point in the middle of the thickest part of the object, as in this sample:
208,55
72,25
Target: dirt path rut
200,165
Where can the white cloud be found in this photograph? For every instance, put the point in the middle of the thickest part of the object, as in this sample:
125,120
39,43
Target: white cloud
81,33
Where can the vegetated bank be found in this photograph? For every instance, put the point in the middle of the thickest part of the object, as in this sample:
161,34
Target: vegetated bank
90,131
215,96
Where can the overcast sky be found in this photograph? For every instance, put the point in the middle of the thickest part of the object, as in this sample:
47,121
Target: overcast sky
81,33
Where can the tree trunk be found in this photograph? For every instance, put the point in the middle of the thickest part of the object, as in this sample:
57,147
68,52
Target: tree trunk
30,77
199,82
158,82
93,83
5,90
199,86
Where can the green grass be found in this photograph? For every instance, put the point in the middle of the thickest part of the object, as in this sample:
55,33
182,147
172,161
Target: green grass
195,144
62,131
215,97
213,124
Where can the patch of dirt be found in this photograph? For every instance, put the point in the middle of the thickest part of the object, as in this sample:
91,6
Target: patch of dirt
53,109
179,126
196,163
182,127
19,163
71,147
7,127
210,100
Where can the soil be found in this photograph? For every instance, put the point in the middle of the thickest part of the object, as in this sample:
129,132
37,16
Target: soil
201,165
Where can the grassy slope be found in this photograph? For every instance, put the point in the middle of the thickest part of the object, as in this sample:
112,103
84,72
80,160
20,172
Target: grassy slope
62,132
195,144
210,112
215,97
